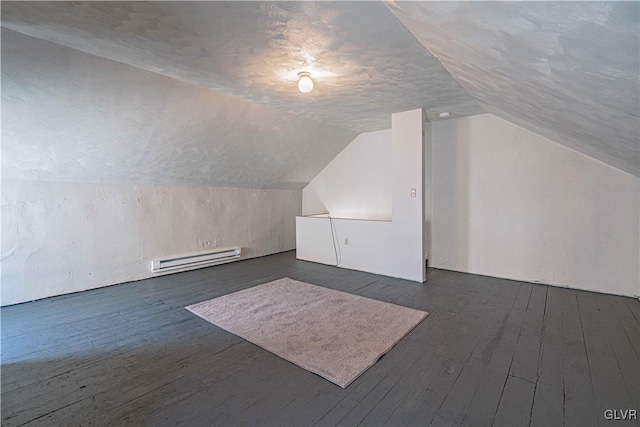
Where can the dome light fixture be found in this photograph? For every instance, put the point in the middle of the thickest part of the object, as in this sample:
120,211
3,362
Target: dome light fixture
305,84
444,114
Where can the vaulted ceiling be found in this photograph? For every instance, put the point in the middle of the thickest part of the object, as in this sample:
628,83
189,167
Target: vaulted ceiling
204,93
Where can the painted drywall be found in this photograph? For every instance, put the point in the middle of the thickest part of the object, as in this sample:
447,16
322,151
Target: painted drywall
70,116
510,203
428,202
393,248
356,183
106,166
406,246
67,237
365,248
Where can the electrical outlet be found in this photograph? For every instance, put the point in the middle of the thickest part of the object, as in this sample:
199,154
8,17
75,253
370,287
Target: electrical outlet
413,192
346,241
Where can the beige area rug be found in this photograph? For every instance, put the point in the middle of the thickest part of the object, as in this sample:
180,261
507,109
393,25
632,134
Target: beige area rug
333,334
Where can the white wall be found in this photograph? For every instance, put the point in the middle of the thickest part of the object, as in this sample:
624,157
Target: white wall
510,203
393,248
106,166
66,237
367,248
356,183
406,246
428,203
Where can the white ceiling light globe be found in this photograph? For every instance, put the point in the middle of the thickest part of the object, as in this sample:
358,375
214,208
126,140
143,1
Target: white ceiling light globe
305,84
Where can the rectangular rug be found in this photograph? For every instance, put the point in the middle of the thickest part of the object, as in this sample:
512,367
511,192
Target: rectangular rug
330,333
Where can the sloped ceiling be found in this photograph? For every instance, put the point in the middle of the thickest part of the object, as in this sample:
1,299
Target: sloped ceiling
566,70
366,66
70,116
203,93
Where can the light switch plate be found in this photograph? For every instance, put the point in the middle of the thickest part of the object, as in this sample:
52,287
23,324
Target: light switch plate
413,192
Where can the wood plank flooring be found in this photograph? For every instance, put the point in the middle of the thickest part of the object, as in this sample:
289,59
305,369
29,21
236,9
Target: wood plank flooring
492,352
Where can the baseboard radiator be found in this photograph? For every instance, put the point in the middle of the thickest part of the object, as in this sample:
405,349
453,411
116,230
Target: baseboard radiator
190,262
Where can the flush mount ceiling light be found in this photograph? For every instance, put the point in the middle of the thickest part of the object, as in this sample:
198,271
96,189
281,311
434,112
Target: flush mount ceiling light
444,115
305,84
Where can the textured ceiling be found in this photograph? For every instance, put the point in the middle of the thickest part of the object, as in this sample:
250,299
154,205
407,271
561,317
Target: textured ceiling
366,65
566,70
204,93
70,116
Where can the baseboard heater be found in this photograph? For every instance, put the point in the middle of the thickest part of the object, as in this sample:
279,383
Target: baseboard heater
190,262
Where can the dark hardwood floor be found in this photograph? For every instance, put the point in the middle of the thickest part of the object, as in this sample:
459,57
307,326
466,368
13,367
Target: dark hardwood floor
492,352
